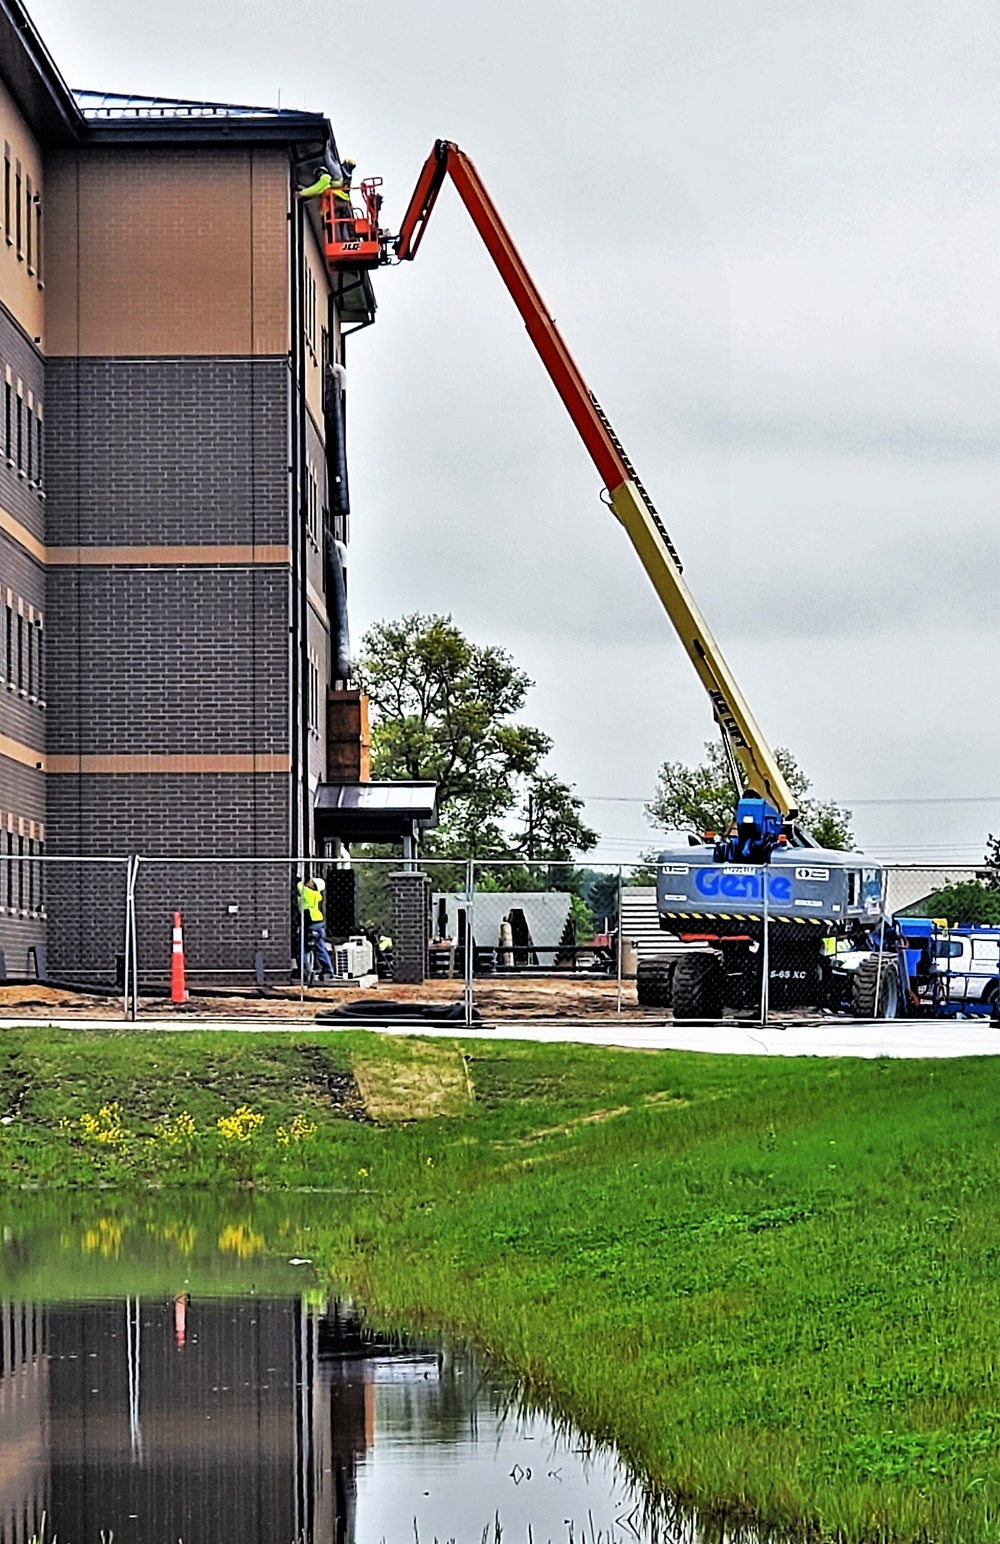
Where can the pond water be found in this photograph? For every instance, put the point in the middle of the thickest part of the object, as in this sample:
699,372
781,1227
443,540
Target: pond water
169,1375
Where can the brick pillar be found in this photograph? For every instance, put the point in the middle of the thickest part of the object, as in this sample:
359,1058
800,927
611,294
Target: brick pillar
409,929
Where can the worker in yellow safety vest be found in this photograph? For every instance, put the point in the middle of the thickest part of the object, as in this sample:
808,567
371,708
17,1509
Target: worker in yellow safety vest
337,182
311,908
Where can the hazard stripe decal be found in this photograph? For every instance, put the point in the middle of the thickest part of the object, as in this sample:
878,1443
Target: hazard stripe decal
736,916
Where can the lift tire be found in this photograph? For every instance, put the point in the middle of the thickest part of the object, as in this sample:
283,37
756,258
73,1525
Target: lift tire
654,981
699,986
876,992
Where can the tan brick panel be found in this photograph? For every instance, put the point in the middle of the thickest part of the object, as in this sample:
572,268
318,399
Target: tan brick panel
166,251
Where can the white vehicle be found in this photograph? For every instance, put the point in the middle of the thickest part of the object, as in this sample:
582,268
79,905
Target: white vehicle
968,961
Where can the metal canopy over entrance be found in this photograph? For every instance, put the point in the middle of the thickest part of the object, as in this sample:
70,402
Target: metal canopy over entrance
374,812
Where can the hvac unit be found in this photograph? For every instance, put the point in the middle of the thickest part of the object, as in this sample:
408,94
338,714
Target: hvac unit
353,959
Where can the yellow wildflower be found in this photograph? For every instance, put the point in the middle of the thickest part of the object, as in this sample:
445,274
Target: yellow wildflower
241,1126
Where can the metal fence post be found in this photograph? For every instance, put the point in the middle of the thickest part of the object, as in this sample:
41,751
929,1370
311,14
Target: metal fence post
132,939
883,898
470,946
765,961
618,951
127,941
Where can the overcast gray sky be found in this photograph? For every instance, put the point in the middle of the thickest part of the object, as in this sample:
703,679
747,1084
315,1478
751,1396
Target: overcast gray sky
769,232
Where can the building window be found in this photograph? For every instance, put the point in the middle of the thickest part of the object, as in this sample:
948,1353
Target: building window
312,504
9,641
313,702
28,223
9,420
39,448
38,241
6,195
19,449
10,869
29,441
310,310
38,691
20,654
18,217
20,872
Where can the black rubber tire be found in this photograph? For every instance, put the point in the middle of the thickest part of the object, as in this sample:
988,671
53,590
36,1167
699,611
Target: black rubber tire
875,993
654,983
699,986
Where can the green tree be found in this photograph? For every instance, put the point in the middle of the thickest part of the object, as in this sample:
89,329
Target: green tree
552,827
968,901
702,798
443,709
990,875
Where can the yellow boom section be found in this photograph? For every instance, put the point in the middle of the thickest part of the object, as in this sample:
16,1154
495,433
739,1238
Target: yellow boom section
737,723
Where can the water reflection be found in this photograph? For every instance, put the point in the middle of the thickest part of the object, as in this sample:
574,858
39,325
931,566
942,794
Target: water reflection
179,1415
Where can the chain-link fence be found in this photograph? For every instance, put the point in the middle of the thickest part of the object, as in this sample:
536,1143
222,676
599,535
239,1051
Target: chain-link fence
64,934
381,941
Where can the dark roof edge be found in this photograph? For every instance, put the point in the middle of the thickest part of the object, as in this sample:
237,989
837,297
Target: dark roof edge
286,128
37,86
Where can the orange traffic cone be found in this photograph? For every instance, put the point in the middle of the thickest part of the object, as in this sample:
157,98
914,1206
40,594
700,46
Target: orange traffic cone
178,987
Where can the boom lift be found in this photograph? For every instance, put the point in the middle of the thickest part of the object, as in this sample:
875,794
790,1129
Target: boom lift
766,808
753,918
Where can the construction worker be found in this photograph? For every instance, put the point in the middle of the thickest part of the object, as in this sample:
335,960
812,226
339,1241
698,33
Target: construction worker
311,908
336,179
323,184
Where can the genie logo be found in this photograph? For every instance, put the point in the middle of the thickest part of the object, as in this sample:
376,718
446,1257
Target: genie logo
720,884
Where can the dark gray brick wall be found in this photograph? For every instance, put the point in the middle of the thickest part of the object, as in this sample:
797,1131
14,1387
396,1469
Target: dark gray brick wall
167,450
242,815
172,814
168,661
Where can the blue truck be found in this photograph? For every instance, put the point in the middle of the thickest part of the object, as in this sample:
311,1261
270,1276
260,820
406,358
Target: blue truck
931,969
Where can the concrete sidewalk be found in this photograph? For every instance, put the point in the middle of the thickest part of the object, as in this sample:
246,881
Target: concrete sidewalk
824,1037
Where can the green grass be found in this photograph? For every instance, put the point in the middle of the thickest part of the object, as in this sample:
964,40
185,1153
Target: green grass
775,1283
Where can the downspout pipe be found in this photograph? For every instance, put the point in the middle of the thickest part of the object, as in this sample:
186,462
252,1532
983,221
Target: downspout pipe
302,499
336,599
336,441
294,501
335,425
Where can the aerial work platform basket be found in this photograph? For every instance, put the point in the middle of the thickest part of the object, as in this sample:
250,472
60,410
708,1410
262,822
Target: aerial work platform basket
351,237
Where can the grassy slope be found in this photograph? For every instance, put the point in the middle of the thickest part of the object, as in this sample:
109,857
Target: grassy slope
775,1283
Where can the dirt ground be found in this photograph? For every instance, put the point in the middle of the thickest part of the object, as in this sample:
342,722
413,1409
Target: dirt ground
515,999
550,997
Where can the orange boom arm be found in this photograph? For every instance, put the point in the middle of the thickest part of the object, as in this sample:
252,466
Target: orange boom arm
629,499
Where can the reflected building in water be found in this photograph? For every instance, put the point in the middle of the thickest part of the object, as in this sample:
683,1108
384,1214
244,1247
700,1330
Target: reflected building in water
24,1422
204,1421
